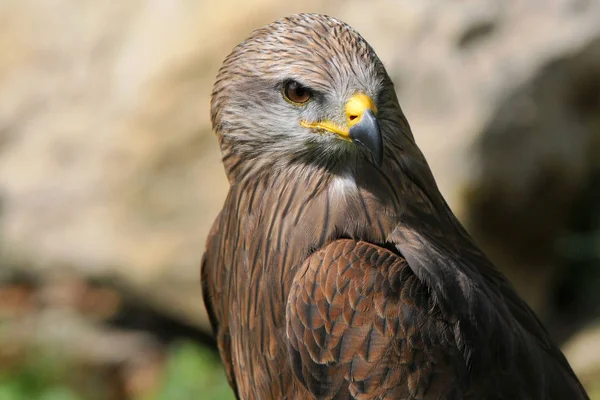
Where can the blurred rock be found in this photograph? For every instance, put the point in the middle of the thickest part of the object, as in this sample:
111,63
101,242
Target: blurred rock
583,351
108,165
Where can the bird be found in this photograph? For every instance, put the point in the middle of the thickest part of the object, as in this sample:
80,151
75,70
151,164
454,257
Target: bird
336,269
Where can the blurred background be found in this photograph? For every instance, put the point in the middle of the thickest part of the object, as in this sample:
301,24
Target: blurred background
110,176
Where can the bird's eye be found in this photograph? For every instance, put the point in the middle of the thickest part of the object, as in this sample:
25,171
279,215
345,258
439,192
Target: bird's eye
295,93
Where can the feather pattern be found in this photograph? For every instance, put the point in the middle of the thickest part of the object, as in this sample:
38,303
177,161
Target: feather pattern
328,277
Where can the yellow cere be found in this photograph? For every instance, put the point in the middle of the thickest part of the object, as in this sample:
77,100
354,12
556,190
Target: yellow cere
355,107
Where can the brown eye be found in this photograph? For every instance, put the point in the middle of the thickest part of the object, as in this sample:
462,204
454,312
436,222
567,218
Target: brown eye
296,93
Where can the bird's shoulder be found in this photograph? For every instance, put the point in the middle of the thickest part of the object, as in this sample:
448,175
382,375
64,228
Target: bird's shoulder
360,323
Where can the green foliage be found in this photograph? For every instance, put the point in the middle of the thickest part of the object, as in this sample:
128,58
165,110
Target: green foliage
194,373
36,378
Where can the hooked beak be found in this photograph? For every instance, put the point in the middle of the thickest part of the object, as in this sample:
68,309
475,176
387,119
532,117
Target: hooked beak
362,126
366,133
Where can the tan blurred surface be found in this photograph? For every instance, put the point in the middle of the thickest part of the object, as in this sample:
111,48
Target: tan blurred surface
108,166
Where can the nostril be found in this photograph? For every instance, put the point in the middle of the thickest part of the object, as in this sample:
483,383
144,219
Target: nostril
353,117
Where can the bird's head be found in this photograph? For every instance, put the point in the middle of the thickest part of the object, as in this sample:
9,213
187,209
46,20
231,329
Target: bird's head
306,88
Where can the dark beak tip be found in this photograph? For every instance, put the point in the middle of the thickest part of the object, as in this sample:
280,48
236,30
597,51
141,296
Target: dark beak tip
367,133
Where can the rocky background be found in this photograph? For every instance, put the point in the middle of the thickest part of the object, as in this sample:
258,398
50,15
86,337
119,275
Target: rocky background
110,176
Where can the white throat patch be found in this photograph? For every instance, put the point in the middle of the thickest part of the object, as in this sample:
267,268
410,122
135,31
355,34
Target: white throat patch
343,185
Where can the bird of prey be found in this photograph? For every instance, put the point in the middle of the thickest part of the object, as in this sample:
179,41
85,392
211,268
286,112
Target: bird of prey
335,269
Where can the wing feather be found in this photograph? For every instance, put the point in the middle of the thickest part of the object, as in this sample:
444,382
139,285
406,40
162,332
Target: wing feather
359,324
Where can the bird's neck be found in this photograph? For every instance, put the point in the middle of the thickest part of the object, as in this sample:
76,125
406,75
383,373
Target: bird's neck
309,205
